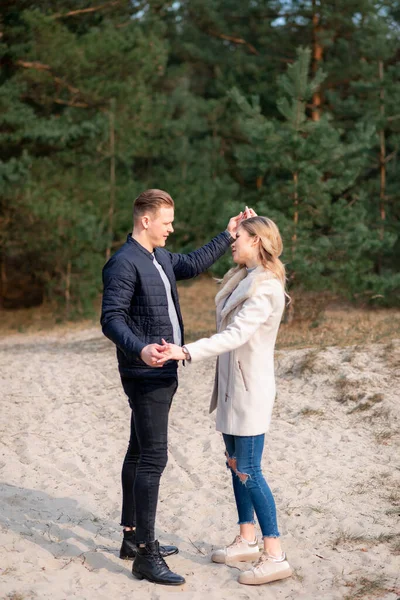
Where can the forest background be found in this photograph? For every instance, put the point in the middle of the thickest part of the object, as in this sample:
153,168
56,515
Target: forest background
291,107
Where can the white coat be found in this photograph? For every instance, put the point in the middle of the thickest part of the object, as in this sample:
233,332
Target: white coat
249,309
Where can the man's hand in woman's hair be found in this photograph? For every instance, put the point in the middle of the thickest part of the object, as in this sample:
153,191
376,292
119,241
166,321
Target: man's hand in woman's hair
248,213
171,352
235,221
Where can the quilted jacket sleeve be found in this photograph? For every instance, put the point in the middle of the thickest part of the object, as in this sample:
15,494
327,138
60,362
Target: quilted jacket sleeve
189,265
119,279
253,313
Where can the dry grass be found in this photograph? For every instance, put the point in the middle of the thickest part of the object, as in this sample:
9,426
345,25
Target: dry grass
367,588
318,509
369,403
309,362
384,421
393,511
41,318
348,357
319,320
297,575
383,435
310,412
346,537
395,545
381,415
391,355
348,390
394,498
389,489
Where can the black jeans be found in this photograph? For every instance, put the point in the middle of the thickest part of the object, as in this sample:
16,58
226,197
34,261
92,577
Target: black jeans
147,454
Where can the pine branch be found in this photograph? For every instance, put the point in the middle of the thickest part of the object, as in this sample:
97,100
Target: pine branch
81,11
69,87
233,39
390,156
33,65
38,66
266,15
72,103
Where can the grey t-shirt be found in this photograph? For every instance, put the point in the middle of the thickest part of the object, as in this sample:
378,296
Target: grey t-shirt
171,306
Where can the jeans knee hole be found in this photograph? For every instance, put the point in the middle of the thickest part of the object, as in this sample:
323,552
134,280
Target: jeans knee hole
230,462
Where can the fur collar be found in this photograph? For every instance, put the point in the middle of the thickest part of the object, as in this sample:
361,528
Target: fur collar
239,287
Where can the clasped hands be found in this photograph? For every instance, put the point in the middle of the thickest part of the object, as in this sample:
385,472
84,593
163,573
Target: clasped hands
171,352
156,355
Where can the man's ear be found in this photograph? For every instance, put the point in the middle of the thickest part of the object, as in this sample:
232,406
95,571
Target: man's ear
145,222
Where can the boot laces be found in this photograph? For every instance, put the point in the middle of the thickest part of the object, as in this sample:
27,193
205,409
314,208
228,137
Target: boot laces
159,559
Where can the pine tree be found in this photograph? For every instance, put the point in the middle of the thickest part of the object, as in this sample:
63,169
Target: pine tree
375,97
99,101
63,70
306,169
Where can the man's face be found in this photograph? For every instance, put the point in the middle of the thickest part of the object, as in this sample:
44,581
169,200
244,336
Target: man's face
159,226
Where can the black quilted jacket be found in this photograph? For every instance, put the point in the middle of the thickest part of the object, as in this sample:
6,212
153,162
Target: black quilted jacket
135,308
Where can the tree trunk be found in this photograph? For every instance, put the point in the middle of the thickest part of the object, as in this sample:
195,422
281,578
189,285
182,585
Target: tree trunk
111,207
186,153
289,313
67,293
317,53
296,212
382,164
382,154
3,280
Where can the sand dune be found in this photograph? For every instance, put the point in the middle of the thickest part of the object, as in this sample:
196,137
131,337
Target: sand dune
332,460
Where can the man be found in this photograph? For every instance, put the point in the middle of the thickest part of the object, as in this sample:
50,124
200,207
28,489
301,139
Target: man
140,308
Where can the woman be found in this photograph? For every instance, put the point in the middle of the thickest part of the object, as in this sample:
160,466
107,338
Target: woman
249,310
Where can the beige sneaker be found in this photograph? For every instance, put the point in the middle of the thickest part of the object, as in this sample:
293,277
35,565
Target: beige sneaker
265,570
240,549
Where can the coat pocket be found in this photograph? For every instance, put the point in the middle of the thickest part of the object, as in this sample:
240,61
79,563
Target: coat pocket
243,377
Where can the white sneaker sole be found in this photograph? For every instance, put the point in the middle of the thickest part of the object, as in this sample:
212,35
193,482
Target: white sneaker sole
266,578
238,558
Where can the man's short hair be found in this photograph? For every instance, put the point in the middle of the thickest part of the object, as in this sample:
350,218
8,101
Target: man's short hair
150,201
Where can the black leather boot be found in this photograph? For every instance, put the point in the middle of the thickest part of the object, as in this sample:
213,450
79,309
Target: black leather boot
129,549
150,565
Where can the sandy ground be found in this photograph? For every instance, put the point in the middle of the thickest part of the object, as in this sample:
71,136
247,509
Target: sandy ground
332,460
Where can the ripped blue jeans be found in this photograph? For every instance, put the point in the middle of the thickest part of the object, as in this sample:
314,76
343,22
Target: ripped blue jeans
252,493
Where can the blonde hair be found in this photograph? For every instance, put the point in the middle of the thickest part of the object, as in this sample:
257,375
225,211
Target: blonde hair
270,244
269,248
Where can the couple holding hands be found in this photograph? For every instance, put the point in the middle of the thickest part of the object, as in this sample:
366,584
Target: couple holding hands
141,315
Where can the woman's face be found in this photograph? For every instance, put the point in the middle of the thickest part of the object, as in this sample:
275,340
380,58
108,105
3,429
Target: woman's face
244,248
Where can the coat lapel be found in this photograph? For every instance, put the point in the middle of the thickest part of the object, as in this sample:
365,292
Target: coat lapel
229,287
241,287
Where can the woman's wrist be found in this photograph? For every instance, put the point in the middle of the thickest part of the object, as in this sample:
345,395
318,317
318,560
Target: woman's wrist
186,353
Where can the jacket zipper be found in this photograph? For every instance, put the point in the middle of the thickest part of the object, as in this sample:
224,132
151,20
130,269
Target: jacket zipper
242,374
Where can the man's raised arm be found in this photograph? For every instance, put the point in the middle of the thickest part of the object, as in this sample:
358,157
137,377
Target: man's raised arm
190,265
